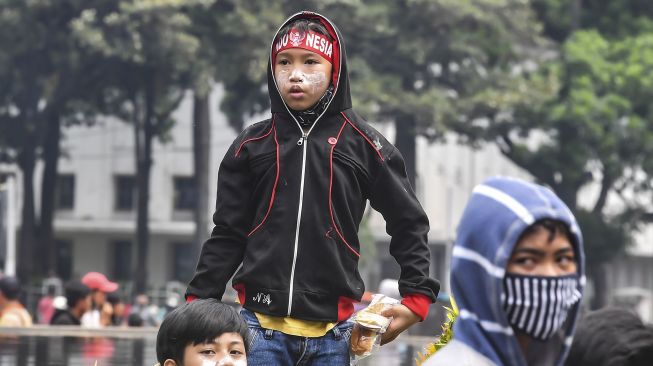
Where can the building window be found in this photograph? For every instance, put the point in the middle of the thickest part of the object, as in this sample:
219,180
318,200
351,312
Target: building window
184,197
64,259
121,260
65,193
183,262
125,192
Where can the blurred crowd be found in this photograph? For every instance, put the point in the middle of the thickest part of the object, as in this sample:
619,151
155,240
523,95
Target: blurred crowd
90,302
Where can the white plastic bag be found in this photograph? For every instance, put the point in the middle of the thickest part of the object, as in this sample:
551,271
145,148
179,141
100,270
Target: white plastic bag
369,325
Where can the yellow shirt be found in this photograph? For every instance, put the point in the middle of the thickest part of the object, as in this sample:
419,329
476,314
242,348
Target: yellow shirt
295,327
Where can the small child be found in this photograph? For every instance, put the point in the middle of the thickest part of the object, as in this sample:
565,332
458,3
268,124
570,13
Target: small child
202,333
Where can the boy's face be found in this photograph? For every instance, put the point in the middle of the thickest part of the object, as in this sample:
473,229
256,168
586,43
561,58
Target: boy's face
536,255
302,76
99,297
226,350
85,304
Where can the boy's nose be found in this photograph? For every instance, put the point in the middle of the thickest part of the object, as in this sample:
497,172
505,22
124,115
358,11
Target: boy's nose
296,75
549,269
226,361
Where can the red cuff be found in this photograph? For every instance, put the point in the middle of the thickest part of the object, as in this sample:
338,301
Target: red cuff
418,304
190,298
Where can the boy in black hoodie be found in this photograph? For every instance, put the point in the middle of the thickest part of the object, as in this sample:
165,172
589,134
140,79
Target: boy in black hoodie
291,194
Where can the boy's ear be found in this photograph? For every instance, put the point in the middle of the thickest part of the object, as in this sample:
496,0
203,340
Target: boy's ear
169,362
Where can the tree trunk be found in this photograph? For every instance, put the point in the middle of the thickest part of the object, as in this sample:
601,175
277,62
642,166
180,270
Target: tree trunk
51,152
201,154
28,235
574,14
599,280
144,133
405,142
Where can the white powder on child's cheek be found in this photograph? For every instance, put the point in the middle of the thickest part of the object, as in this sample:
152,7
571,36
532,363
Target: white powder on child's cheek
208,363
314,80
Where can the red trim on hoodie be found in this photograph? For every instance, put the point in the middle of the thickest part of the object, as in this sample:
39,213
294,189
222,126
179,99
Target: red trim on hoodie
333,221
365,137
254,138
190,298
274,187
240,288
418,304
345,308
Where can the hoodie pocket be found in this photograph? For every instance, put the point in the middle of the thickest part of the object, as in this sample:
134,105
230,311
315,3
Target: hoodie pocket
262,161
362,175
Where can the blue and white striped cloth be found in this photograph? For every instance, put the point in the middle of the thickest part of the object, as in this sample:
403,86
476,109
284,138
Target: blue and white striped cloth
499,210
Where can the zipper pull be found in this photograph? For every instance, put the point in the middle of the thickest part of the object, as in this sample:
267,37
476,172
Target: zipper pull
301,140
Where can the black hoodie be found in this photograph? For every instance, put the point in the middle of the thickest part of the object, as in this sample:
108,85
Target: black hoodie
289,204
611,337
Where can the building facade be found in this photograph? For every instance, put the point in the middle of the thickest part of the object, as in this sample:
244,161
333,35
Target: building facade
95,221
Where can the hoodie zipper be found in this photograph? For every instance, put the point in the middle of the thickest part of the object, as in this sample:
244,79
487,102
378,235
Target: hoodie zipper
303,142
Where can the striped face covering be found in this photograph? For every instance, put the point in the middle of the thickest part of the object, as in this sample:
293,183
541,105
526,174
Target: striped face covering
538,305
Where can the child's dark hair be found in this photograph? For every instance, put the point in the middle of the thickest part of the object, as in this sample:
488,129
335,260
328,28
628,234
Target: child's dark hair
305,25
198,322
554,227
75,291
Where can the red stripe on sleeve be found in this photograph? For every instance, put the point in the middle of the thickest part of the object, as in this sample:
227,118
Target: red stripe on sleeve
418,304
190,298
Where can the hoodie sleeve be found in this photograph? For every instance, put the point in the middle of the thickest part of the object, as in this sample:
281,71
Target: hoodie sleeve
408,225
223,252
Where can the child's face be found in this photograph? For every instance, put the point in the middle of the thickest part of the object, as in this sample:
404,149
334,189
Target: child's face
535,255
302,76
226,350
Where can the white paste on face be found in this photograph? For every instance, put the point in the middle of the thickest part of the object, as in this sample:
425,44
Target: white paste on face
226,360
313,80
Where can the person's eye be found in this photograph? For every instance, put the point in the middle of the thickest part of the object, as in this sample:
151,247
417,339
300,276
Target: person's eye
311,61
236,352
525,261
566,260
283,62
208,352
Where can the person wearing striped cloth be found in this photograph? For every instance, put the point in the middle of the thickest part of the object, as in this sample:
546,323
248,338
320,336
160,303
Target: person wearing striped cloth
517,277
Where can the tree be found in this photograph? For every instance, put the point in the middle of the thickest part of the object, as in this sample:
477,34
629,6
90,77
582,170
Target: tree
417,68
581,120
149,47
47,81
233,36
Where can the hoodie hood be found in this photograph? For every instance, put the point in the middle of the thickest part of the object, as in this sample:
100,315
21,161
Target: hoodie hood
498,212
341,98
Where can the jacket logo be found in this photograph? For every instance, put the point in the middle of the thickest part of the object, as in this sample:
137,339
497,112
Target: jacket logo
377,144
262,298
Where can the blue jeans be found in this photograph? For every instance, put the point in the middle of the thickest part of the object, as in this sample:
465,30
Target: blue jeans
272,348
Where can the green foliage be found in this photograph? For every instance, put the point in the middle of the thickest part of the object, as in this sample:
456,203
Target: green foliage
444,338
428,62
146,45
42,71
235,38
581,118
613,19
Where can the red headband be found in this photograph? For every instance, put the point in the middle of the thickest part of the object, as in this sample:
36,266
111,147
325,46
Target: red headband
309,40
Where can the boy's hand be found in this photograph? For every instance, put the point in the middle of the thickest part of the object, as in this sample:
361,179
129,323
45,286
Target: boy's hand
403,318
